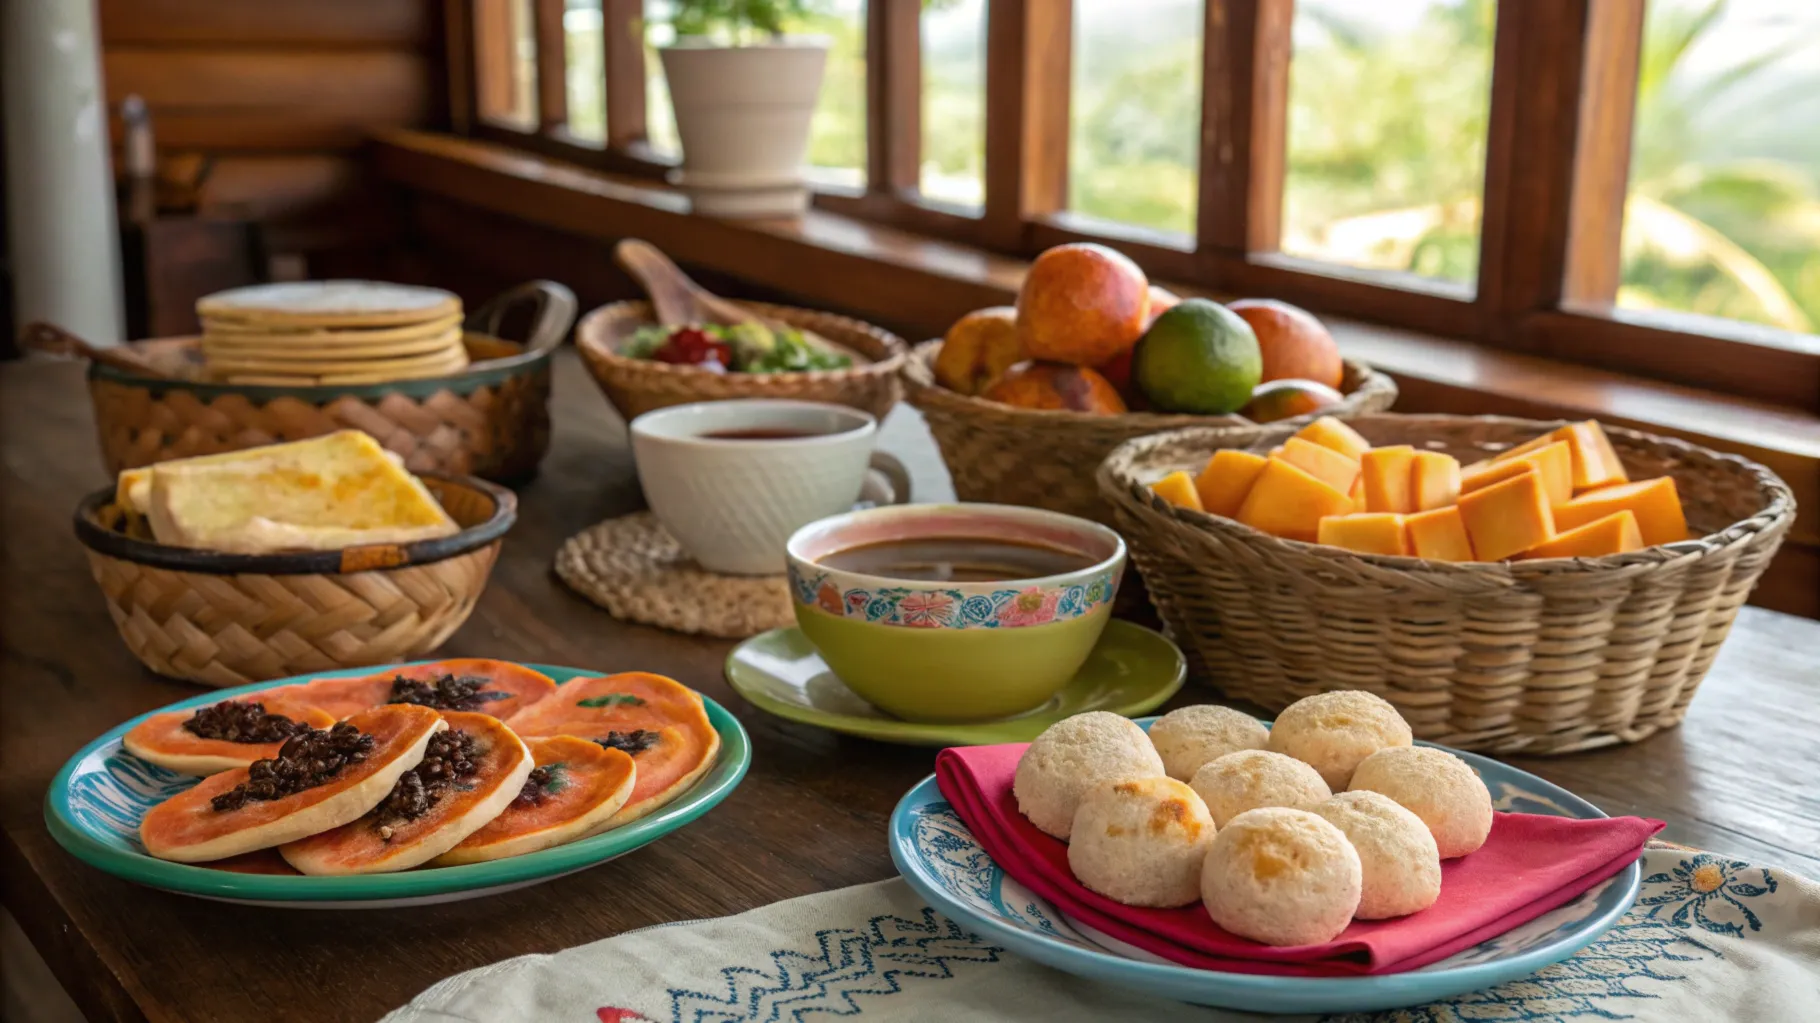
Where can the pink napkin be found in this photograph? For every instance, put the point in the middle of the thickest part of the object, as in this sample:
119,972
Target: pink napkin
1530,865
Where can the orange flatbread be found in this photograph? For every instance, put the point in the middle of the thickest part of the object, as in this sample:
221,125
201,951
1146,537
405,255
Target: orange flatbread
588,784
162,739
508,689
374,844
678,749
187,829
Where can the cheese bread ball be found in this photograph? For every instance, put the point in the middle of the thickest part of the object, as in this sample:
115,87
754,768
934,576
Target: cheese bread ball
1252,778
1188,738
1334,731
1072,756
1401,863
1282,877
1436,786
1141,842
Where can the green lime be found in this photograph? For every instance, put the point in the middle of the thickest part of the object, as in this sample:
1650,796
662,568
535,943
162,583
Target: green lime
1198,357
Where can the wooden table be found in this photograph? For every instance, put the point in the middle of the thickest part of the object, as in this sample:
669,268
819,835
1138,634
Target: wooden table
1738,776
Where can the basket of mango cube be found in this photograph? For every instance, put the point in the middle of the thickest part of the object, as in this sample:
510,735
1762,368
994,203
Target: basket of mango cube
1510,585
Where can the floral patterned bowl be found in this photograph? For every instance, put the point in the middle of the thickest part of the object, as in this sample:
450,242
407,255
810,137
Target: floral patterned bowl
954,651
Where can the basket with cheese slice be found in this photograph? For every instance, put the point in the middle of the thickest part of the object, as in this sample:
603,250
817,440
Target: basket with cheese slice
1510,585
270,561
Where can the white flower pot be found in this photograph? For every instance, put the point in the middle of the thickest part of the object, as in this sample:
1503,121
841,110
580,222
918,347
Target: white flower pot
743,117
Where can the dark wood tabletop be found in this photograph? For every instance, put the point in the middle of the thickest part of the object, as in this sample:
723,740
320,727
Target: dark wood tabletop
1738,776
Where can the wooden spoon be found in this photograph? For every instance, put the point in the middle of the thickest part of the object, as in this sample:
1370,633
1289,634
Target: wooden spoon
679,301
46,337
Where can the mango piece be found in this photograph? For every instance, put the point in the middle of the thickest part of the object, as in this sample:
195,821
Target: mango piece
1226,480
1655,503
1324,464
1366,532
1613,534
1439,535
1287,502
1554,461
1507,518
1387,475
1178,489
1596,463
1434,480
1357,494
1329,432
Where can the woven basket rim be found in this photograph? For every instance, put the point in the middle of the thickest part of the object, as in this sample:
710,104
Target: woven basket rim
106,542
921,388
1119,485
477,374
590,336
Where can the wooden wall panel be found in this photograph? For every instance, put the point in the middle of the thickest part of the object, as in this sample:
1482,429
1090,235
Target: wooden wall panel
403,24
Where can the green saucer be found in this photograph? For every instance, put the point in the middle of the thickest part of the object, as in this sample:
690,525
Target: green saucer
1131,671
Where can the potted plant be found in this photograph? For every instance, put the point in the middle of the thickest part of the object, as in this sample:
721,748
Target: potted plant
743,93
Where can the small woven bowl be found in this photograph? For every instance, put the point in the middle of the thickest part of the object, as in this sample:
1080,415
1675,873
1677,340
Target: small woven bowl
1041,458
230,619
636,386
1548,656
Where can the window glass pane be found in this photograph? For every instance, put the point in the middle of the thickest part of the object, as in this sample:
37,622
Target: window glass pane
505,47
837,135
1388,103
1135,111
954,102
1723,216
584,48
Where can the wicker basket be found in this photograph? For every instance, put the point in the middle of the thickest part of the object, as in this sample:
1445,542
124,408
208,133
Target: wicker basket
636,386
491,419
229,619
1547,656
1006,455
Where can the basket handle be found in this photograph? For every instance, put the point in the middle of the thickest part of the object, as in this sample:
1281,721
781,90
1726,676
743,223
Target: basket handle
48,337
553,315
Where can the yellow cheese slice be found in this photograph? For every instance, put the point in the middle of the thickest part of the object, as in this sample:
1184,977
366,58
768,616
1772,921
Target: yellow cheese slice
329,492
133,490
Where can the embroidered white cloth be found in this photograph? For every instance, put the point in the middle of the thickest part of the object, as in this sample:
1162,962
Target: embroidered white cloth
1709,939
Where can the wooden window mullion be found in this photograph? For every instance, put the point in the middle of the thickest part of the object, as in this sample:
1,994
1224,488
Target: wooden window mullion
894,95
1608,102
552,65
1029,46
1245,53
623,56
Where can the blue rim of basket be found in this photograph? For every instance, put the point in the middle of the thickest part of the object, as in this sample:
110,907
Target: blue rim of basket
721,779
481,374
1101,965
102,540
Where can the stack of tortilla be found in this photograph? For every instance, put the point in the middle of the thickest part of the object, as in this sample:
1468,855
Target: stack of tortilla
330,332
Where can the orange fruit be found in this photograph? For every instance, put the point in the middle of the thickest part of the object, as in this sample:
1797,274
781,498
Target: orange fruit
1294,344
1282,399
980,346
1083,304
1053,385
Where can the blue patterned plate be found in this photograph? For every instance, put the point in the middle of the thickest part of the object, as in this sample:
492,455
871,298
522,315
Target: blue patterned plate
96,802
938,856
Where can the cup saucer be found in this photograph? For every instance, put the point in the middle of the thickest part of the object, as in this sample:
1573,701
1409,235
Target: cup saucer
1131,671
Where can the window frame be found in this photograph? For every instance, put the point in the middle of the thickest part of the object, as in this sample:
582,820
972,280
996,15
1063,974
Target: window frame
1556,176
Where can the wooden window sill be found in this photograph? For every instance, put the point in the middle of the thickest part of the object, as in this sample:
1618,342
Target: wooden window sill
919,284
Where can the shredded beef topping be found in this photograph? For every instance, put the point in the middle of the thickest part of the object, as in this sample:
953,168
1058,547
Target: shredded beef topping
241,721
450,692
307,759
450,755
633,742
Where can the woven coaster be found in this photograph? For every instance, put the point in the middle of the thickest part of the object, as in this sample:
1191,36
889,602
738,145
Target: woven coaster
635,569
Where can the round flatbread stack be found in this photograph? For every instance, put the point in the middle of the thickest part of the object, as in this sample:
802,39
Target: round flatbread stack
306,333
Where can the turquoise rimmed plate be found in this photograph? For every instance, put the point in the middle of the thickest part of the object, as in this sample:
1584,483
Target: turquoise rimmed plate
938,856
97,800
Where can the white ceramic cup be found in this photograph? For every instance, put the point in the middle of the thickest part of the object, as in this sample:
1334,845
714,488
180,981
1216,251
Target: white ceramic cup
733,503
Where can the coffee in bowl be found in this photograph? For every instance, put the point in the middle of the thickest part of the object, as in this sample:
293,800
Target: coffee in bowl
957,612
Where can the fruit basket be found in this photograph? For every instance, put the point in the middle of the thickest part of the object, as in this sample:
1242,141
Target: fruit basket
223,619
635,386
1040,457
1543,656
491,419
